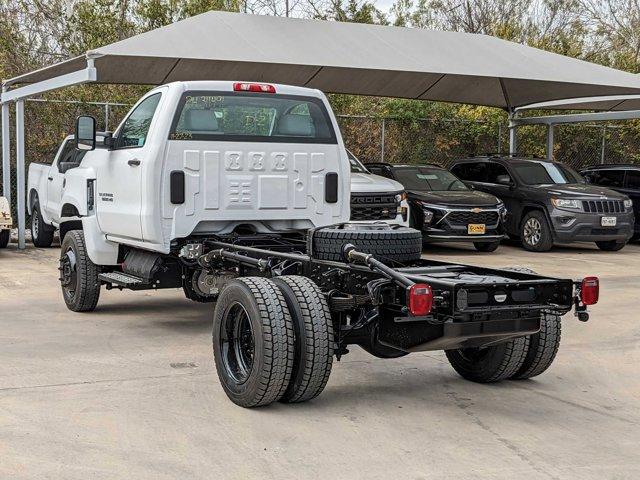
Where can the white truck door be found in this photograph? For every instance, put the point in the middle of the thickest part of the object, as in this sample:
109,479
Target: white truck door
119,201
55,180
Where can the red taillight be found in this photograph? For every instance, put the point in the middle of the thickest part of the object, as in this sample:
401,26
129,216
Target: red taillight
254,87
590,290
420,299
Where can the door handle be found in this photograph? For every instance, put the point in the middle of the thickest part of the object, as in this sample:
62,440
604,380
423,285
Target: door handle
50,179
134,162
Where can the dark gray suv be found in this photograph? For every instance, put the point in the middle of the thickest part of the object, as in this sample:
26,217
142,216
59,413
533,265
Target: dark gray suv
549,202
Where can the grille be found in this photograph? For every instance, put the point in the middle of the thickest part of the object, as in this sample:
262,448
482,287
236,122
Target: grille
464,218
603,206
373,207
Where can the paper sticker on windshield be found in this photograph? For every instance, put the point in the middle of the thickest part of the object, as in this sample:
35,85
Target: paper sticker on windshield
423,176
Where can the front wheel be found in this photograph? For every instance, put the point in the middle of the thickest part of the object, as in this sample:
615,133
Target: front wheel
5,235
535,232
486,246
490,364
611,245
41,233
78,274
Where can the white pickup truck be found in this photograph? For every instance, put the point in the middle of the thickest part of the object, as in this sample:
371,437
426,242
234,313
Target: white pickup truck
5,222
238,193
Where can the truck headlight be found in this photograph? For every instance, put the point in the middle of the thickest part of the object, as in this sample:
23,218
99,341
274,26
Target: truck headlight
628,203
565,203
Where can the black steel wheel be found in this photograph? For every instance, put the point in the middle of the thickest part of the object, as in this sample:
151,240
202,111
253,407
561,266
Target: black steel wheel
78,274
41,233
253,341
535,232
489,364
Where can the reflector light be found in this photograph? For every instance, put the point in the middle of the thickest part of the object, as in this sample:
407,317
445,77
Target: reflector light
254,87
420,299
590,290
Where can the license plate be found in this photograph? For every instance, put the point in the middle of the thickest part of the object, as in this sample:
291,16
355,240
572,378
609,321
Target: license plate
476,229
608,221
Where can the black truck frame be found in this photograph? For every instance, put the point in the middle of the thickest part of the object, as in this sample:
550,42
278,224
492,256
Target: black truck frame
473,313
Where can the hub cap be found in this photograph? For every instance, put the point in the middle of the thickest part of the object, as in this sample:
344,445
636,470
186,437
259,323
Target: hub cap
532,231
237,343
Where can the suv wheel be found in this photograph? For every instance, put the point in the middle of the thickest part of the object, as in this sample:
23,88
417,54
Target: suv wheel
535,232
611,245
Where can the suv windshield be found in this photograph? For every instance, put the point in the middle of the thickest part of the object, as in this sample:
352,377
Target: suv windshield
432,179
250,117
546,173
356,166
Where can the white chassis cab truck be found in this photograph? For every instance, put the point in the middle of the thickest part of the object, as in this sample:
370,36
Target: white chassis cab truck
5,222
238,193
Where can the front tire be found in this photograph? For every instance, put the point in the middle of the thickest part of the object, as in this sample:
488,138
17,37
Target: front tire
78,274
253,341
486,246
535,232
5,236
489,364
314,342
543,347
41,233
611,245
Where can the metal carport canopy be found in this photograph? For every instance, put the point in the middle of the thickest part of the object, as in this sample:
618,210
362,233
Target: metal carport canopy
347,58
331,56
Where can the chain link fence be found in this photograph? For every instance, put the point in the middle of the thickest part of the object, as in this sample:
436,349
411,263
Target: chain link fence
371,139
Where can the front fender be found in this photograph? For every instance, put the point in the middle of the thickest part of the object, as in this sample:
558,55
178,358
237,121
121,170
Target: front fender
75,190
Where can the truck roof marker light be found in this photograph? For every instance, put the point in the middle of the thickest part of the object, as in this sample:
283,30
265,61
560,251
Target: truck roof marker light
420,299
254,87
590,290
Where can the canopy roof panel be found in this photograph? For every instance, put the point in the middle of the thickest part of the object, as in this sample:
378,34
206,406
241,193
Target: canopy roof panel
348,58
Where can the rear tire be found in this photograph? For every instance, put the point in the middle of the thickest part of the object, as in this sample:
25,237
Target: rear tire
314,341
490,364
5,236
486,246
78,274
253,341
41,233
611,245
543,347
535,232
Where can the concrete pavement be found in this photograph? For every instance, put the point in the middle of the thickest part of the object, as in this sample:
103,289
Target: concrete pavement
130,391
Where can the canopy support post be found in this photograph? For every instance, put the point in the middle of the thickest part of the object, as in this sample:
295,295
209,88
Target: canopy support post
20,177
513,134
550,142
6,154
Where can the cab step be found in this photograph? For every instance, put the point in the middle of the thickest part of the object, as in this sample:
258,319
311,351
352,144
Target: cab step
123,280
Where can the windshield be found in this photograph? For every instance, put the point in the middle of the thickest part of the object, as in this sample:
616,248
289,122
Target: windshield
431,179
251,117
356,166
545,173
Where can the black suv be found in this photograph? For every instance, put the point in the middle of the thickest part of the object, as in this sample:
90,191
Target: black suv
621,178
444,208
549,202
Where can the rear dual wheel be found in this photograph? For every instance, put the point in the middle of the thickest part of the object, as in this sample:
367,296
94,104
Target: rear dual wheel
519,358
272,340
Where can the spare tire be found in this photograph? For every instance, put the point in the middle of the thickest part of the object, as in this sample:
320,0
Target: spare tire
387,243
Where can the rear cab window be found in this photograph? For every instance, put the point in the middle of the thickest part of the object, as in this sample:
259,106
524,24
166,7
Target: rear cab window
607,178
252,117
